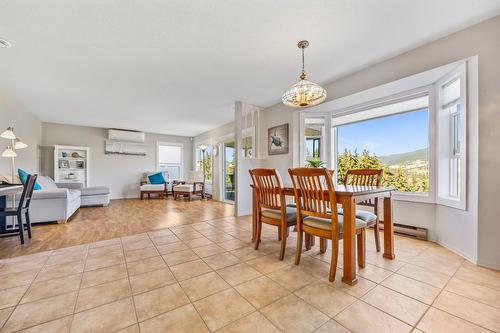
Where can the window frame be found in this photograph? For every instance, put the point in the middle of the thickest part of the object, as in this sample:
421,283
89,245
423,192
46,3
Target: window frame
180,165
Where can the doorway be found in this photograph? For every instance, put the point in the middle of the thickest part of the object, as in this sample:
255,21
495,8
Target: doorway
228,172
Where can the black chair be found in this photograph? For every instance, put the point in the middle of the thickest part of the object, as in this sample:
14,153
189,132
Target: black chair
22,208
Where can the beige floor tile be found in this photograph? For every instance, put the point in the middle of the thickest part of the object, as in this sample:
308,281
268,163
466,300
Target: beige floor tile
208,250
376,259
398,305
479,275
64,258
104,261
190,269
424,275
186,236
421,291
106,242
134,238
105,318
358,290
10,297
103,275
159,233
362,317
72,249
140,244
131,329
261,291
4,315
325,298
203,285
104,293
220,237
57,271
17,279
252,323
183,319
292,278
437,321
267,264
233,244
474,291
155,302
182,229
292,314
221,260
247,253
163,240
34,313
222,308
145,265
151,280
180,257
374,273
116,249
198,242
141,254
239,273
475,312
315,267
50,288
22,266
62,325
172,247
332,326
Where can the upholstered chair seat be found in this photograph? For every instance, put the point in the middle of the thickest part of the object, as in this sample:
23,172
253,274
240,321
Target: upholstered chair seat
291,214
326,224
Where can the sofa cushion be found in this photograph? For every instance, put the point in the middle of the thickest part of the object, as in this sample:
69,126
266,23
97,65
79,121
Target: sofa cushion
153,187
23,175
46,183
95,190
157,178
325,224
184,188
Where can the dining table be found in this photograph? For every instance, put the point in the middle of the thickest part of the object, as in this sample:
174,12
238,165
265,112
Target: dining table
348,196
6,190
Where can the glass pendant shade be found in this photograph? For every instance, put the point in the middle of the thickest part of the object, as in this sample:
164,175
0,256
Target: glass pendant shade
8,134
18,144
304,93
9,152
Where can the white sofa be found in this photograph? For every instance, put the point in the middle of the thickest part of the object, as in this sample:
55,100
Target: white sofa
59,201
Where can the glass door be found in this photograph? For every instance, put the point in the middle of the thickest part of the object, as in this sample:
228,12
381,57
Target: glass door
229,170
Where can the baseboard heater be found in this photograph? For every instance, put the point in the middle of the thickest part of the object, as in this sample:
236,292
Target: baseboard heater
408,230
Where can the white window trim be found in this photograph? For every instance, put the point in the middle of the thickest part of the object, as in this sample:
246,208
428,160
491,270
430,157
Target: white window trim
444,141
196,146
178,144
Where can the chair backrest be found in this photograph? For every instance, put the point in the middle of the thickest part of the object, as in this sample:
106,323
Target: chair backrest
364,177
314,192
195,177
268,187
29,185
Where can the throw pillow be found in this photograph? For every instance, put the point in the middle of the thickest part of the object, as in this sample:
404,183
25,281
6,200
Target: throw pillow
23,175
157,178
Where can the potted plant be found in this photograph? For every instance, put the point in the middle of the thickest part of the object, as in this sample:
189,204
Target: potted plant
315,163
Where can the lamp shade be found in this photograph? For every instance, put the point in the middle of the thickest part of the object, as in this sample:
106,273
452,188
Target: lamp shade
8,134
203,147
9,152
18,144
304,93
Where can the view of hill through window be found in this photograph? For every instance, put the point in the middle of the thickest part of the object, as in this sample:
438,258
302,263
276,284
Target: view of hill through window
398,144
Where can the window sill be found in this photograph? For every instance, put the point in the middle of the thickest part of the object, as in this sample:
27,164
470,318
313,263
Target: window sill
413,197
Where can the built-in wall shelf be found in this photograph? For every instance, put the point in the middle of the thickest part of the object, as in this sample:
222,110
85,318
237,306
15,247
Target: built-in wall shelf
71,164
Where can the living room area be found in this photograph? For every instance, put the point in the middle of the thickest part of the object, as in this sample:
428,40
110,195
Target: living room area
249,167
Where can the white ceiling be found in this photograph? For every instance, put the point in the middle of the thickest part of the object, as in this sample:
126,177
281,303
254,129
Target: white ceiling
176,67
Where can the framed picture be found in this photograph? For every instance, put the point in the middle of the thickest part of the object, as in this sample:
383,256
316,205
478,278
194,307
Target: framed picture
277,138
80,164
63,164
248,142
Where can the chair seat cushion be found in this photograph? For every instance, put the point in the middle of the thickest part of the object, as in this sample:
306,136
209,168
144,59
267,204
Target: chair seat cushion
362,215
184,188
153,187
291,214
325,224
95,190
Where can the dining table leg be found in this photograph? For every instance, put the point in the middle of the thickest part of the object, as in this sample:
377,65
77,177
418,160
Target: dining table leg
349,233
388,229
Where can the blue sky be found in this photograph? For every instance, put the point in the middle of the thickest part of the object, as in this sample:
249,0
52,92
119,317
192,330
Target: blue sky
388,135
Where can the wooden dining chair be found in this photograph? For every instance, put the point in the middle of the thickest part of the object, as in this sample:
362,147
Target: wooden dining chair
271,205
366,177
317,213
22,208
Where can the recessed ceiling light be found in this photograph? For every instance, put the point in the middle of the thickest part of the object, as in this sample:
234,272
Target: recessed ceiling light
5,43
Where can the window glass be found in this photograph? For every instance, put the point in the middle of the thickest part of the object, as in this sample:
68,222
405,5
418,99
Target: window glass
170,160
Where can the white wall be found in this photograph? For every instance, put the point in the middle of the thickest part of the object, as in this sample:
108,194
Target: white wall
122,173
28,128
214,137
452,227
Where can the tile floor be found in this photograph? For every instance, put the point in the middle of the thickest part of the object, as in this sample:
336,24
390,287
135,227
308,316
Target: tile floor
206,277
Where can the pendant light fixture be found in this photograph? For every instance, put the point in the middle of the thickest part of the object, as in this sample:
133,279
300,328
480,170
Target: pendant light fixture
304,92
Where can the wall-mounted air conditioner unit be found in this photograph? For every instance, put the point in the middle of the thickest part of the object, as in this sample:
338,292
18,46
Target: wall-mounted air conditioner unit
126,136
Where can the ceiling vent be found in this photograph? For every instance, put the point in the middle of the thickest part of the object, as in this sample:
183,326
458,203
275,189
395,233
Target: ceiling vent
126,136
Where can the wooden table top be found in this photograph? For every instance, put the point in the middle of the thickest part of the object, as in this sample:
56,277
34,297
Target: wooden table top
350,190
